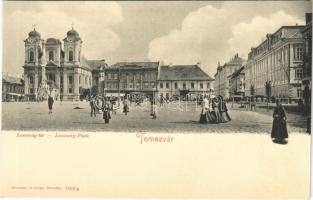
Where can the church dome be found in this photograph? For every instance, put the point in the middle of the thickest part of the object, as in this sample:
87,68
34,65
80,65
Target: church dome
72,33
34,33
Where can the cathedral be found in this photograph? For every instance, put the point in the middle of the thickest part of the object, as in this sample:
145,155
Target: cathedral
53,68
59,69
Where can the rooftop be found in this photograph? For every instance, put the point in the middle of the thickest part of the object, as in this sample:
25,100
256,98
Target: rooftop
183,72
12,80
97,64
237,72
139,65
236,60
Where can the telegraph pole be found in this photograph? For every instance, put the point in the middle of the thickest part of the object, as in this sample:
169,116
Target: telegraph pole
119,90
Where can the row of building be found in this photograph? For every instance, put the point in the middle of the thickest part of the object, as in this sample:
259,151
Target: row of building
283,59
63,68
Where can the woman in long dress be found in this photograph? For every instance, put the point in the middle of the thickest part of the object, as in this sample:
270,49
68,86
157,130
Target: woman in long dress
50,103
203,115
106,114
126,106
209,112
279,129
217,114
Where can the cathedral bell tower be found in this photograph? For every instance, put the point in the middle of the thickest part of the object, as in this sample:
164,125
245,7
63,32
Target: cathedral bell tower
34,60
72,58
72,48
33,49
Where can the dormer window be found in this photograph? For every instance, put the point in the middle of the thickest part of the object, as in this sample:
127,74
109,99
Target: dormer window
70,55
51,56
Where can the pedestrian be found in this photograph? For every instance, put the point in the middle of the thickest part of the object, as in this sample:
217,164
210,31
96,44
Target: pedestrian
203,115
126,106
226,111
215,105
155,112
92,107
223,110
210,115
279,129
114,107
106,114
50,103
308,125
152,102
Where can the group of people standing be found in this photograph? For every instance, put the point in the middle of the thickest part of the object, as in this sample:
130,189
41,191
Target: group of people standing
108,109
214,110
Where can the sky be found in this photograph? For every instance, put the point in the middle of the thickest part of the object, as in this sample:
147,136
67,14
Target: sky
188,32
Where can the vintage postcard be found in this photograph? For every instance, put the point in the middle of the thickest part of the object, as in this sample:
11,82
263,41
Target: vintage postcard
155,99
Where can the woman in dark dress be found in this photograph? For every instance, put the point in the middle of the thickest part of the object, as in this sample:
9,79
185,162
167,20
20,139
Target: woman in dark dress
126,106
279,129
217,114
106,114
221,108
50,104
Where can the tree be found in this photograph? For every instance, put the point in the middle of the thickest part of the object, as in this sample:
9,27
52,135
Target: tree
268,92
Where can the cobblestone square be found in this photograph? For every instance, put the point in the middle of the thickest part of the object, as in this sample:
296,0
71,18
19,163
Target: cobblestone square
173,117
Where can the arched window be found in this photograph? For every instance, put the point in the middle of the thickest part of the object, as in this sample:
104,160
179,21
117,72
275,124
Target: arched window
51,56
31,56
70,55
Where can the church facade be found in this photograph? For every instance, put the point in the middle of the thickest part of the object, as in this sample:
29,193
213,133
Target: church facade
61,68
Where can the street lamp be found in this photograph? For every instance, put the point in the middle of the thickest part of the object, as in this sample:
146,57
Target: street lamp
105,93
153,94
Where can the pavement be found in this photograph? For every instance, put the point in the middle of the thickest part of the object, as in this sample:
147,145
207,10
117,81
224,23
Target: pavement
243,163
173,117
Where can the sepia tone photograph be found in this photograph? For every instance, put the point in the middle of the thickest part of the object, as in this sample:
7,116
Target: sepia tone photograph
216,75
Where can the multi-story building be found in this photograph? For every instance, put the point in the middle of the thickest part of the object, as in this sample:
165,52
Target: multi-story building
183,80
98,75
131,77
307,56
62,67
236,83
223,73
278,59
12,88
